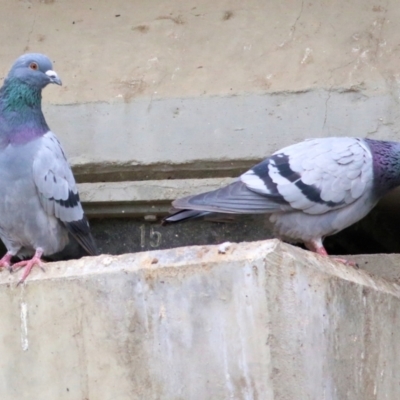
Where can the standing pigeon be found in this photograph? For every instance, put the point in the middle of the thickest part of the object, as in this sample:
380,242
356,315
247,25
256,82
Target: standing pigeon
39,201
311,189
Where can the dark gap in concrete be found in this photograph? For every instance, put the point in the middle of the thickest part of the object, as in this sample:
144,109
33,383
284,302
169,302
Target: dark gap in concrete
377,233
127,172
123,235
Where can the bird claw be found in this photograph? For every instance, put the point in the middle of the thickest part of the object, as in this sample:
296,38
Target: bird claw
29,264
346,262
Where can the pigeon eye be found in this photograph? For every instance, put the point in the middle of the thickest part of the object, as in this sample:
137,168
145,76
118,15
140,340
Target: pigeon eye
33,66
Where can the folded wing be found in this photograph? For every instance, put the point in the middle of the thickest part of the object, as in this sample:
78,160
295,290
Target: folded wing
58,192
314,176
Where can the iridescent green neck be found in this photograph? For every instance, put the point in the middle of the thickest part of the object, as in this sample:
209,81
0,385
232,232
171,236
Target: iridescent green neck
17,95
21,116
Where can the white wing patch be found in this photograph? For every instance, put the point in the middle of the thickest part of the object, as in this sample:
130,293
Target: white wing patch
254,182
55,182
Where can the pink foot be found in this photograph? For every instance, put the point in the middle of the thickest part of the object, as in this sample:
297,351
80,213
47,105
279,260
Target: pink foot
29,264
5,261
317,247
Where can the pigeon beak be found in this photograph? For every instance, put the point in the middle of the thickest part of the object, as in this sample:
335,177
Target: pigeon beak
53,77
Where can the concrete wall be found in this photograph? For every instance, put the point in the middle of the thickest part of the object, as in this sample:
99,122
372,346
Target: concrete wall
150,82
264,321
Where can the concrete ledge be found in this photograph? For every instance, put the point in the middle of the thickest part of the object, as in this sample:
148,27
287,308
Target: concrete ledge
123,199
265,320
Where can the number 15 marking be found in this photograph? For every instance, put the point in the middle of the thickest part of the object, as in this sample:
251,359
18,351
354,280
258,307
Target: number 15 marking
154,237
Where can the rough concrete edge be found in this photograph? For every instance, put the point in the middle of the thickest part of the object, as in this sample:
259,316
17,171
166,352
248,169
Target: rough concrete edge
199,256
340,270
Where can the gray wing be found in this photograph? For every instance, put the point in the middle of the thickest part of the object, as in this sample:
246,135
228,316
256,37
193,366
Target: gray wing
58,192
314,176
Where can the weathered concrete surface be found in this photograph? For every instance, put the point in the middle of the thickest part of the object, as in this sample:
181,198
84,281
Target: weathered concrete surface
262,321
387,266
150,83
126,49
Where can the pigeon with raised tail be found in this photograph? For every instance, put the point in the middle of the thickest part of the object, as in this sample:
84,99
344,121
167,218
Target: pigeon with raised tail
311,189
39,200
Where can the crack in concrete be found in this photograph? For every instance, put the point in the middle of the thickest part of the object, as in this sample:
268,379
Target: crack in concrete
331,87
293,28
326,108
30,33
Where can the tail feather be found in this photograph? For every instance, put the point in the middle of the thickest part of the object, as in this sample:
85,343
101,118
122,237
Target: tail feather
182,215
80,230
235,198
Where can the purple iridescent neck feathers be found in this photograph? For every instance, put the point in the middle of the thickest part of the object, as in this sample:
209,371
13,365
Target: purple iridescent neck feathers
21,116
386,165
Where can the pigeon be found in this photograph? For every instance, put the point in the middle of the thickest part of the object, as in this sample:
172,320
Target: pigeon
311,190
39,202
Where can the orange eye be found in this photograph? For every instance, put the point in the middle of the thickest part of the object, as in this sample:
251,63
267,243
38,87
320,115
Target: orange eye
33,66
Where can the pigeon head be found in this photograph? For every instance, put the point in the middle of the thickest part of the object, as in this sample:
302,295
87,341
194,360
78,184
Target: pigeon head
21,116
35,70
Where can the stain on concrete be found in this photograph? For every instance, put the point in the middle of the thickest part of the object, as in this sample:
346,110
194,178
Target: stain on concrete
177,20
141,28
378,8
227,15
131,88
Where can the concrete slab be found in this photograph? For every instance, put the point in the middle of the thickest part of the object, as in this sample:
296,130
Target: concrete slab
265,320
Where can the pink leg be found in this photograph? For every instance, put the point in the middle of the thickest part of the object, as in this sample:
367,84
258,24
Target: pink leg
317,247
29,264
5,261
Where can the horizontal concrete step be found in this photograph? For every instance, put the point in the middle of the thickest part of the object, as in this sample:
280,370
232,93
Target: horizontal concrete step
261,320
141,198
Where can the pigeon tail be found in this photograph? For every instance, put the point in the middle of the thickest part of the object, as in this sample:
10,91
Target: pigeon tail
80,230
183,215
